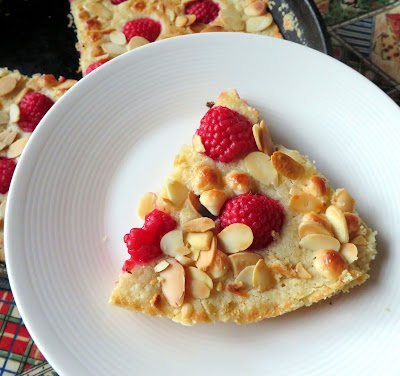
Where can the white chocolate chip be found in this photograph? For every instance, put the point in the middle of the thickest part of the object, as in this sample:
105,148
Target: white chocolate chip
200,241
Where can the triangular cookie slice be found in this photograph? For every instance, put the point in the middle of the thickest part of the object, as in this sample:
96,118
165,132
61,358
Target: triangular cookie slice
244,229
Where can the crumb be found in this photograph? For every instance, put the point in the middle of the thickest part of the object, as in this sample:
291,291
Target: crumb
210,104
330,303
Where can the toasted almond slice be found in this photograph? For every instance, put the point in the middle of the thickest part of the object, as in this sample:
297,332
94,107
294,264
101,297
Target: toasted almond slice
337,219
287,166
317,186
177,192
302,273
235,238
181,21
213,200
307,228
258,8
194,254
349,252
113,49
246,276
184,260
4,118
118,37
239,182
202,224
200,241
219,266
330,264
199,289
359,240
7,85
260,168
146,204
21,94
316,242
236,288
266,140
191,18
263,279
344,201
353,224
170,14
257,136
218,286
212,29
172,243
233,23
99,10
162,265
304,203
14,113
241,260
318,218
3,209
173,283
136,42
198,275
296,191
198,144
229,13
7,137
257,24
16,148
187,310
205,259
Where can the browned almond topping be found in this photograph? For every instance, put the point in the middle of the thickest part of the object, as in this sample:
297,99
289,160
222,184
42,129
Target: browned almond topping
22,94
359,240
140,5
307,228
304,203
349,252
196,206
319,218
212,29
206,178
353,224
236,288
197,27
317,186
199,225
83,15
219,266
344,201
266,140
287,166
92,24
239,182
97,51
243,259
316,242
173,283
337,219
7,85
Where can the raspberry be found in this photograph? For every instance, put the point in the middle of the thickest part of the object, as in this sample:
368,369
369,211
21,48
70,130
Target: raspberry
205,11
225,134
144,243
116,2
32,108
7,167
142,27
261,213
95,65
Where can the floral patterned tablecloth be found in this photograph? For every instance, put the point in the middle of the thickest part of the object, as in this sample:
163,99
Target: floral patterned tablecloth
365,35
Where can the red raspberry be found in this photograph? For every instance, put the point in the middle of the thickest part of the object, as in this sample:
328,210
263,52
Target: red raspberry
32,108
261,213
225,134
95,65
144,243
142,27
7,167
206,11
116,2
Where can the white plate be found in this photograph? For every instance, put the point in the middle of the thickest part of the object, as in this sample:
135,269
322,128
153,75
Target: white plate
114,136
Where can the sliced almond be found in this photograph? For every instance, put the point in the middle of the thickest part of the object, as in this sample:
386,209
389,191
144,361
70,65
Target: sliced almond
7,85
304,203
4,118
349,252
173,283
198,144
199,225
212,29
177,192
184,260
213,200
259,166
162,265
99,10
257,136
258,8
172,243
266,140
181,21
344,201
196,206
229,13
3,209
200,241
236,288
21,94
263,278
317,186
319,218
287,166
146,204
233,23
301,272
113,49
136,42
170,14
194,254
239,182
241,260
205,259
246,276
316,242
191,18
307,228
359,240
187,310
339,224
330,264
7,137
118,37
235,238
198,275
219,266
199,290
16,148
257,24
14,113
353,224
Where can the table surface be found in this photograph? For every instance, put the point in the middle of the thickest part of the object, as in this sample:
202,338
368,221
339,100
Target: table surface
365,35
